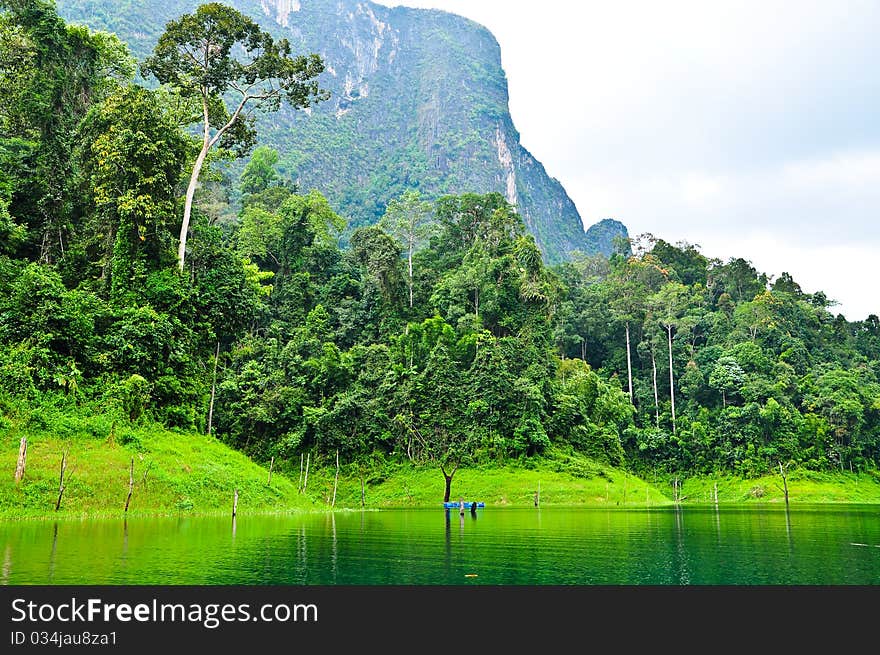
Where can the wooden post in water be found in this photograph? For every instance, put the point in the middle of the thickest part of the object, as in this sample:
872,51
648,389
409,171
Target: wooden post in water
336,480
538,501
716,494
61,480
300,485
22,460
234,502
130,483
271,464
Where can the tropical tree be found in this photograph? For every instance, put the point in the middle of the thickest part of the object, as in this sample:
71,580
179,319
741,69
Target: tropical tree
409,220
218,52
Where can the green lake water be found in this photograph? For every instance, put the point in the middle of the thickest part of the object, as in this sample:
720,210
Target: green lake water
748,545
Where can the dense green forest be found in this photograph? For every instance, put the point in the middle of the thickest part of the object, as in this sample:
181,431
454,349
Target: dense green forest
439,335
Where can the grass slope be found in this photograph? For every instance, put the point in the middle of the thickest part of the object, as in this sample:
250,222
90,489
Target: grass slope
173,472
189,473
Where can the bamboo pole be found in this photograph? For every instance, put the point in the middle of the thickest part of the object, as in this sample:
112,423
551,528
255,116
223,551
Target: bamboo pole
130,483
271,464
22,460
234,503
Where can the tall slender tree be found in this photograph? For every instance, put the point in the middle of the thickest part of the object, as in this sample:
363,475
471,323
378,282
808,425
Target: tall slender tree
218,52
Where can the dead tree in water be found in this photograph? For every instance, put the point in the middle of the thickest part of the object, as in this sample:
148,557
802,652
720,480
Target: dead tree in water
22,460
448,478
783,473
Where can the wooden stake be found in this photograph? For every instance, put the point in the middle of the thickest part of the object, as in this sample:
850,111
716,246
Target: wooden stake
271,464
716,494
538,501
130,483
301,458
335,481
22,460
61,480
234,503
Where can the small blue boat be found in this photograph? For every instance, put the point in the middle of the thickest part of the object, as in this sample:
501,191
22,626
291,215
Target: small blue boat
466,505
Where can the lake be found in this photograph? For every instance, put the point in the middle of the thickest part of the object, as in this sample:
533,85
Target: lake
693,545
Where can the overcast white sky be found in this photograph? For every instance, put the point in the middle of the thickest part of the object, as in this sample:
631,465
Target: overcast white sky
750,128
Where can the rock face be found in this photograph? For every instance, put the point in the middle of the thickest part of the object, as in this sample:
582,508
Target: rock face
419,100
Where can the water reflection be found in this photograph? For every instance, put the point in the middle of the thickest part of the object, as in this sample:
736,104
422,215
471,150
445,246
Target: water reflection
685,545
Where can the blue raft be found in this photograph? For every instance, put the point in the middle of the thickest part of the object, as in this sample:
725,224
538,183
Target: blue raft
466,505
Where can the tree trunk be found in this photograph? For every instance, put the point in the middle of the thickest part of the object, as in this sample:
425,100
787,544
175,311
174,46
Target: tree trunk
306,479
671,379
61,480
335,480
190,194
629,368
22,460
448,478
409,262
130,484
656,396
213,388
784,482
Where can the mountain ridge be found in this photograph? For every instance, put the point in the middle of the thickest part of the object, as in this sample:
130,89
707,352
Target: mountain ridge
419,100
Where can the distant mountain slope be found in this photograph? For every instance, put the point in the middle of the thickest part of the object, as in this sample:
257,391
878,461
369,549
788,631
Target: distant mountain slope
419,100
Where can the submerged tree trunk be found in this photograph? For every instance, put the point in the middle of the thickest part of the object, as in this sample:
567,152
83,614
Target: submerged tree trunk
448,478
784,482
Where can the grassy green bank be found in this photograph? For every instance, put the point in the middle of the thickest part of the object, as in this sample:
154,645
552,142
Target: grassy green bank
194,474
